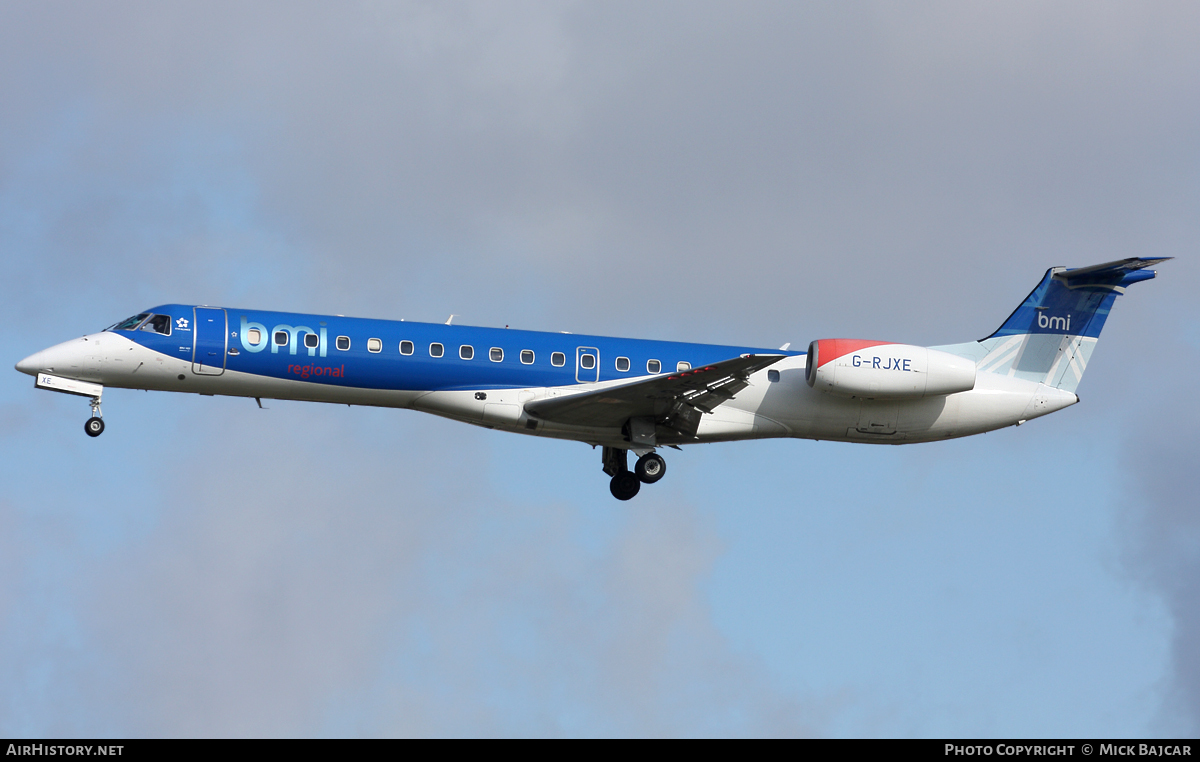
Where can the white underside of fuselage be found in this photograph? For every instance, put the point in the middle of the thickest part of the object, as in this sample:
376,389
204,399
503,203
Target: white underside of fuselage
765,409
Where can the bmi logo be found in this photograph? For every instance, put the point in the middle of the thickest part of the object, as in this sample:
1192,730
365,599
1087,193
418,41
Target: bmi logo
1054,323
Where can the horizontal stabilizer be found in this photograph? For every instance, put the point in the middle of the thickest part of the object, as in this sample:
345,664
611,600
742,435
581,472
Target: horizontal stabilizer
1110,272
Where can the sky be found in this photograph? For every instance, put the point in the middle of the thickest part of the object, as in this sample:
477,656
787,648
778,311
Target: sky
750,173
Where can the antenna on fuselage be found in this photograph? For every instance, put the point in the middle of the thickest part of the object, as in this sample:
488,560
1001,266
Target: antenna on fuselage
450,319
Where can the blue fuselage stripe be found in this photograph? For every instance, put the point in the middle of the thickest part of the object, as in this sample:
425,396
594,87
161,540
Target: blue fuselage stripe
318,359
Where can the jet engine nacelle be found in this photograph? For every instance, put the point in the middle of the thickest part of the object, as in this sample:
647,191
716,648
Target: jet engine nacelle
880,370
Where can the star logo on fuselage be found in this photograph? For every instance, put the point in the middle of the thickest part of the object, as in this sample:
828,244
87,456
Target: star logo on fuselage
181,323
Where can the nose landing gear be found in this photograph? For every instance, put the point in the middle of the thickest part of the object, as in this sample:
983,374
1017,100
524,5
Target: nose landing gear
626,484
94,426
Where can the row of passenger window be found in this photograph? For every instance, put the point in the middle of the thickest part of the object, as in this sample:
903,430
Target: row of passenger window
587,361
465,352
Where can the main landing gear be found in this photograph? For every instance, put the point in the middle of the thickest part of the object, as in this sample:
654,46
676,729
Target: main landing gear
650,468
625,483
95,425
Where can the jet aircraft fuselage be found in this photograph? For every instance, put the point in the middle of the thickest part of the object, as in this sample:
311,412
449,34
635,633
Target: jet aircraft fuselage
619,394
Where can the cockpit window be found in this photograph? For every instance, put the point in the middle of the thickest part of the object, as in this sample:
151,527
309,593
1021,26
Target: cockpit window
158,324
131,323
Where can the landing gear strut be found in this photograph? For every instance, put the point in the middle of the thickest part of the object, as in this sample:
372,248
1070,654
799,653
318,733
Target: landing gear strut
95,425
625,483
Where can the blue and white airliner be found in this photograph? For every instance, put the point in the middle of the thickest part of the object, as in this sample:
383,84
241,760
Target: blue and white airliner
619,394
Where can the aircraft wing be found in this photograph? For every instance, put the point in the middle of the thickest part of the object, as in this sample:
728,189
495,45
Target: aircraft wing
675,400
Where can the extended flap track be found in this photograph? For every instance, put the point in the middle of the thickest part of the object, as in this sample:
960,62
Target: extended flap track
686,408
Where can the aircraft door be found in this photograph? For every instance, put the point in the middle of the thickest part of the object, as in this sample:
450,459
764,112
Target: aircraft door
587,364
209,337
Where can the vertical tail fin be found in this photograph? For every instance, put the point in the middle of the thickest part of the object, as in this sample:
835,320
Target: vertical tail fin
1049,338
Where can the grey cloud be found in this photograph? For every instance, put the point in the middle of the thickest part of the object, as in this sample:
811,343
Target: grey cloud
304,590
639,159
1162,525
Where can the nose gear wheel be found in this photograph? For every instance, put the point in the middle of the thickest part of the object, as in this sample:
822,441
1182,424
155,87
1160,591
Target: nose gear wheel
94,426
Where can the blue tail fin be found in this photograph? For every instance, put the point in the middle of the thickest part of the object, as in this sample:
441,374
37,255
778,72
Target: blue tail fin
1049,338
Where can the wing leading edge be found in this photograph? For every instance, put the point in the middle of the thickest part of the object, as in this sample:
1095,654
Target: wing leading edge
676,400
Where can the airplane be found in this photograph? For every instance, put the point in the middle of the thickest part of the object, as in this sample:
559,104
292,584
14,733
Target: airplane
618,394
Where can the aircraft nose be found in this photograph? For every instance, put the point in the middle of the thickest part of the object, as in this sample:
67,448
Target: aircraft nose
65,358
32,364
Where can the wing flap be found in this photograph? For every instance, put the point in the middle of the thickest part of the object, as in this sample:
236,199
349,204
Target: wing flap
679,396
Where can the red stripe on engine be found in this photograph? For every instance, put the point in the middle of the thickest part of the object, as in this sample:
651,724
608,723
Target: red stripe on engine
829,350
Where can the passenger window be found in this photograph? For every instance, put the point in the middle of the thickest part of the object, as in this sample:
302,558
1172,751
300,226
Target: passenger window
374,345
281,338
558,359
527,356
773,376
343,343
311,340
682,366
466,351
436,350
254,336
622,364
653,366
587,362
406,347
158,324
496,354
